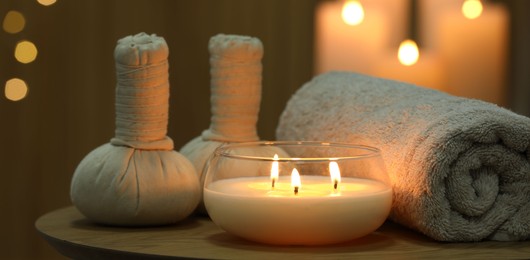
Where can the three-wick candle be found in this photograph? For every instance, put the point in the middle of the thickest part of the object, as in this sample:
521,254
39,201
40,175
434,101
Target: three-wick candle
307,210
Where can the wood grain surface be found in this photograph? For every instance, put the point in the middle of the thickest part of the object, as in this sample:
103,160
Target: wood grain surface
198,237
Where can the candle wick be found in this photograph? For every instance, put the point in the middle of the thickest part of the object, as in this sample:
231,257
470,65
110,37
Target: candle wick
296,190
273,182
335,185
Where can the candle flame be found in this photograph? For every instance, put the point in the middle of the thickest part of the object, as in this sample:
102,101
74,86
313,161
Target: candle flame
334,172
352,12
408,53
274,170
472,9
295,181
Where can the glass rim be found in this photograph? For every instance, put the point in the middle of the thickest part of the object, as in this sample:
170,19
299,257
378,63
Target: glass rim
369,151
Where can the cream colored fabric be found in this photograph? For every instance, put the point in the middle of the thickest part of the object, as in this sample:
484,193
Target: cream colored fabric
142,92
459,168
119,185
137,179
235,86
198,151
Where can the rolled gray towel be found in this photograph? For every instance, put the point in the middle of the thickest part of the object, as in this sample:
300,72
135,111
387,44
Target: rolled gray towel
459,167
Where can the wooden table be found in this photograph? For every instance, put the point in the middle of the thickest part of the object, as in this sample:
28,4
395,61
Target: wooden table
76,237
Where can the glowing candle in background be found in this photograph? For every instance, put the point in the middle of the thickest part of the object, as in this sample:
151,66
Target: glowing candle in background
412,64
474,53
352,12
341,46
472,9
463,48
426,72
408,53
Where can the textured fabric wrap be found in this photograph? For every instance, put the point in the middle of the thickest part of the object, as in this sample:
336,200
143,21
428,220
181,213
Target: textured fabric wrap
459,167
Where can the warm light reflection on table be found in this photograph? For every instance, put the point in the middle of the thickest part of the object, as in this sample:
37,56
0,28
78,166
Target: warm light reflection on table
73,235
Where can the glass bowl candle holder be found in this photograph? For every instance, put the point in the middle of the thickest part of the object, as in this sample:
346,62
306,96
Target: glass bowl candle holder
297,193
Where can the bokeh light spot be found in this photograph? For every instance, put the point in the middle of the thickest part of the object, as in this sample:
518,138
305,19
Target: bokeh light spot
46,2
472,9
15,89
14,22
352,12
25,52
408,53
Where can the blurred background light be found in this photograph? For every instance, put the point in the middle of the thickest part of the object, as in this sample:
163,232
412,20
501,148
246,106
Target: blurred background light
14,22
46,2
15,89
25,52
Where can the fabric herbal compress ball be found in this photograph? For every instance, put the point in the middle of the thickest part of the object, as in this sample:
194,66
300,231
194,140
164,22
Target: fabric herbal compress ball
235,85
459,168
137,178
